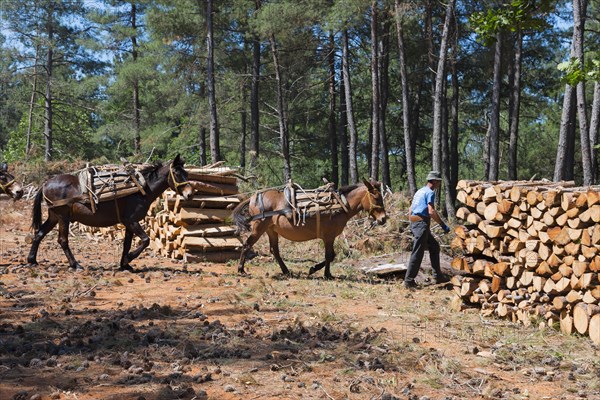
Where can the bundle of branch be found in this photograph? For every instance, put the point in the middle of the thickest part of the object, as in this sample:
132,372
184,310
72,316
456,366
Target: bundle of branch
531,250
199,229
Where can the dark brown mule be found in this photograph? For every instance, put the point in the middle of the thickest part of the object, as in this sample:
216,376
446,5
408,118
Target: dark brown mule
366,196
8,184
127,210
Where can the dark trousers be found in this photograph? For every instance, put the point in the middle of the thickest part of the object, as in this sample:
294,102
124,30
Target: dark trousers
423,240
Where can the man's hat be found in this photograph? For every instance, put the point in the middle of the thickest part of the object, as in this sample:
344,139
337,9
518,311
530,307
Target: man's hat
434,176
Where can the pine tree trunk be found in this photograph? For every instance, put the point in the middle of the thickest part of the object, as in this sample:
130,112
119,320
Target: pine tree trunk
486,150
594,127
48,112
572,148
376,99
202,145
429,43
565,152
352,133
494,154
136,85
254,110
343,135
439,92
515,109
32,104
565,155
406,122
283,132
579,10
244,114
331,123
384,62
243,127
215,151
454,131
448,199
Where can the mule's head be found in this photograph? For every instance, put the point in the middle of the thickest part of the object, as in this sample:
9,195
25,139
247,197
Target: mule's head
9,185
178,179
372,202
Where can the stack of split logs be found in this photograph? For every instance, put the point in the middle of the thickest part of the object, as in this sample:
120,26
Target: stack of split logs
530,252
198,229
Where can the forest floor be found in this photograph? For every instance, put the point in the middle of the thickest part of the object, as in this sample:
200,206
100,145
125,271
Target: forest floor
201,331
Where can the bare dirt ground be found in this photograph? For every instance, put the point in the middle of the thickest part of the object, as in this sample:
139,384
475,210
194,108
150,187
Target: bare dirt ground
176,331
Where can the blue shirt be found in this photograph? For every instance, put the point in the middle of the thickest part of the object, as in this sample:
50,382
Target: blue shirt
422,198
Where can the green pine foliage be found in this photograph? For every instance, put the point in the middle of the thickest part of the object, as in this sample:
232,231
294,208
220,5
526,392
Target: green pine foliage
95,72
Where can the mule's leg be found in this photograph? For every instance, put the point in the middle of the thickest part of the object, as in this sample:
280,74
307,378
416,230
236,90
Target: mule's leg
329,257
127,240
137,230
63,240
46,227
257,230
316,267
274,246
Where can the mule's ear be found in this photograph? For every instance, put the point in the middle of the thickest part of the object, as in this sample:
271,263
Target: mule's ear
368,185
178,160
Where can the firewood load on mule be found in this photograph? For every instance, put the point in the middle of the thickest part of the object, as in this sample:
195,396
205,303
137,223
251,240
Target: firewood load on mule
530,251
306,203
301,204
106,183
109,182
197,229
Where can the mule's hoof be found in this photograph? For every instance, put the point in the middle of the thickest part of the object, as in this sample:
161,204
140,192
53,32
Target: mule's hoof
77,267
312,270
328,277
126,267
287,273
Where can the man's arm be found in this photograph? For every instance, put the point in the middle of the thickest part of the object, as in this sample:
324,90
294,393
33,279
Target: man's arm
436,217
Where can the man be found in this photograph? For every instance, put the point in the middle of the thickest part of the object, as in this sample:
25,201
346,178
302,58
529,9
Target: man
422,210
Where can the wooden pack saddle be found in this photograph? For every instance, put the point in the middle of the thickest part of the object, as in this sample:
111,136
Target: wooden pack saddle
303,203
110,182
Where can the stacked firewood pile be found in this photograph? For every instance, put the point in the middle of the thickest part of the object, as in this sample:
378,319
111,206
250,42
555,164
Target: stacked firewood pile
198,229
530,252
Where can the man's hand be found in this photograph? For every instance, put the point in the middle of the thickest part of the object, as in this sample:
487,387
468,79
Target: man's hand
446,228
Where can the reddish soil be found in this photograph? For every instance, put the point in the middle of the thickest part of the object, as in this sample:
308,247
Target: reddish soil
200,331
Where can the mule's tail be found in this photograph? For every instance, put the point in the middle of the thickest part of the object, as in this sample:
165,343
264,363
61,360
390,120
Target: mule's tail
36,220
241,216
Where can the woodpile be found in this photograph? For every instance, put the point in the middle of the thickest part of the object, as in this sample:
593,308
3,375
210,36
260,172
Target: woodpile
115,232
198,229
530,252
